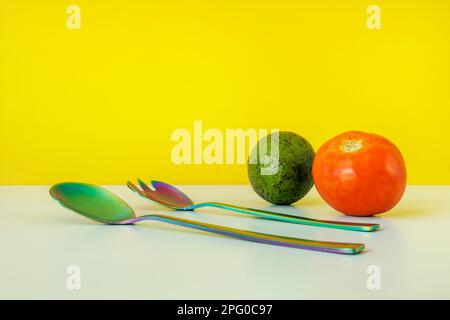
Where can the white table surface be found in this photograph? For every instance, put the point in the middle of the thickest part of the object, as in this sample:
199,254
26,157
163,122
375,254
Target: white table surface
39,239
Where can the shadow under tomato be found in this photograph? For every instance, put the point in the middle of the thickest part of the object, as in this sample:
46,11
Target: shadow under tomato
405,213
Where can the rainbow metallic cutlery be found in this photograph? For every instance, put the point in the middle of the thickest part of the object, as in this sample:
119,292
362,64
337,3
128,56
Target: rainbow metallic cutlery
101,205
173,198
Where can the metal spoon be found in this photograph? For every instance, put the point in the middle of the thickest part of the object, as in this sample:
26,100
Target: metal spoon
173,198
101,205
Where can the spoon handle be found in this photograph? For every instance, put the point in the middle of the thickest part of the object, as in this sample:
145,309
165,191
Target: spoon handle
293,219
324,246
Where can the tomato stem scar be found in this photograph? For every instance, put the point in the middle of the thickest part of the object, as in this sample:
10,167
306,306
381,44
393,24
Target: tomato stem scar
351,145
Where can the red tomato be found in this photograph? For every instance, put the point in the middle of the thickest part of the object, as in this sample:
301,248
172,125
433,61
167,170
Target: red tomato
360,174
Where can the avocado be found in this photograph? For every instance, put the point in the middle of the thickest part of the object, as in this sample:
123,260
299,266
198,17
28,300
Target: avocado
293,179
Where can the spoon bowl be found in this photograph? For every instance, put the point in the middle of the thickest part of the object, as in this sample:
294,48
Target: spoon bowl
92,202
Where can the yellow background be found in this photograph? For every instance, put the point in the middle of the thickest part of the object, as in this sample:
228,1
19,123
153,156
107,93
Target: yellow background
99,104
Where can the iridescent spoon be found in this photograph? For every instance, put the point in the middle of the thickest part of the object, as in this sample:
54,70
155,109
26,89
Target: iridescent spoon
173,198
101,205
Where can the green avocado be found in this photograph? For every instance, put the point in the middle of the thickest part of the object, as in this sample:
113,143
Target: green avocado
287,180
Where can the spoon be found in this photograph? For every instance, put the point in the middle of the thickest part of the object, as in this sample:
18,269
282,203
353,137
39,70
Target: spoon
101,205
173,198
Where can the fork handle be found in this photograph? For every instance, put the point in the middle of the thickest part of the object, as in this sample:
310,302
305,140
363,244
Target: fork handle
293,219
324,246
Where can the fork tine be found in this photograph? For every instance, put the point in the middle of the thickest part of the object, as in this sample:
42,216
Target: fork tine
144,187
134,188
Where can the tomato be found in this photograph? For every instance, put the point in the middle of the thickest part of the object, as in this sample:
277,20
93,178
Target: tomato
359,174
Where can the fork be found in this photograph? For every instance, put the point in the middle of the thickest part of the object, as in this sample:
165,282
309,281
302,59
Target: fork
169,196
